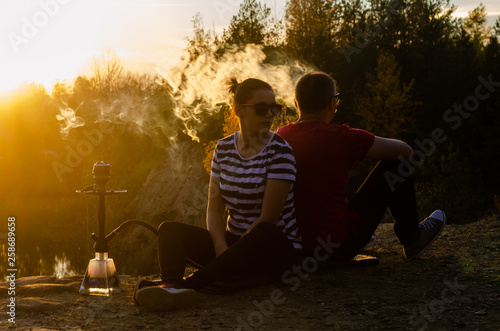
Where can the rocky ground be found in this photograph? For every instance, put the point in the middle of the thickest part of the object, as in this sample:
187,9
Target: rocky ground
455,285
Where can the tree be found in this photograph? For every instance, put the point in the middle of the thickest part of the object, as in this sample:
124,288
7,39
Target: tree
449,181
203,41
388,109
106,71
251,25
61,92
310,28
496,28
476,25
425,51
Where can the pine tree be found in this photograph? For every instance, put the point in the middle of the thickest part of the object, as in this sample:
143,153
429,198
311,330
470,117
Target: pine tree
388,109
310,28
476,24
251,25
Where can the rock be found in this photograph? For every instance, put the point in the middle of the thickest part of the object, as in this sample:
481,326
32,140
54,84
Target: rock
40,289
176,191
31,280
37,285
39,305
70,279
134,251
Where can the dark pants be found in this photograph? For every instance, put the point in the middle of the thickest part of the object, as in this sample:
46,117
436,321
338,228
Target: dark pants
264,251
371,201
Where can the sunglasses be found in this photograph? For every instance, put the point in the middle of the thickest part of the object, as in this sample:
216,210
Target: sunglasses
261,108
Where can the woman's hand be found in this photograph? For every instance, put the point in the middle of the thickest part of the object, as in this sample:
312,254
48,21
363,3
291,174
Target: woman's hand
216,225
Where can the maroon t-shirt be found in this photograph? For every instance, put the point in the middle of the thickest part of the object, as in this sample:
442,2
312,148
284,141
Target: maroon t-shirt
324,154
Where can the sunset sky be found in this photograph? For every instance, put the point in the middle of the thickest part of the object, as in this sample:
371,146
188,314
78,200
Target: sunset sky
48,40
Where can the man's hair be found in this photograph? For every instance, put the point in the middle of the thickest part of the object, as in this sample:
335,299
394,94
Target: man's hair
313,91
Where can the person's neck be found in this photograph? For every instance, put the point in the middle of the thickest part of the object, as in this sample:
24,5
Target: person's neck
251,144
321,116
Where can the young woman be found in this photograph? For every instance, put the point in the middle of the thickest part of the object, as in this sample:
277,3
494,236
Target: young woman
252,177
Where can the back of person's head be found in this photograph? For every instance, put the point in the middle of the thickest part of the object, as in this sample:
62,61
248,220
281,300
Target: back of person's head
313,91
244,91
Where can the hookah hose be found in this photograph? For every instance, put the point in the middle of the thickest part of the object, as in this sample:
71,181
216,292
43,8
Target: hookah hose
101,172
127,223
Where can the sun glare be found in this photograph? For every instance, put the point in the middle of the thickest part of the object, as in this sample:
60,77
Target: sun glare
51,41
46,43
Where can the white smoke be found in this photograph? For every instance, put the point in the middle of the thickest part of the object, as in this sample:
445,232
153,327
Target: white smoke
193,88
127,109
203,82
70,120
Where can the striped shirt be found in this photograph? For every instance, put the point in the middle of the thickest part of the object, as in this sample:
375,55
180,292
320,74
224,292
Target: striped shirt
243,181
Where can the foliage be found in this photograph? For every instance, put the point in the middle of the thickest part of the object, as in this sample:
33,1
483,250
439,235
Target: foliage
106,71
387,109
311,28
475,24
251,25
203,41
452,184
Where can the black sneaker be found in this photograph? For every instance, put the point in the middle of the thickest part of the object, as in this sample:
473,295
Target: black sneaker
141,283
430,228
165,297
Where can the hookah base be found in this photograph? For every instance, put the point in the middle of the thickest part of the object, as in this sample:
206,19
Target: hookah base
101,277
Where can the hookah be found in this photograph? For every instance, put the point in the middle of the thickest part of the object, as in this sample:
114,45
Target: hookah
101,277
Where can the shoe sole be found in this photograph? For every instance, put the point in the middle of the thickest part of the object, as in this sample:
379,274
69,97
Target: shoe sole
430,242
158,299
142,281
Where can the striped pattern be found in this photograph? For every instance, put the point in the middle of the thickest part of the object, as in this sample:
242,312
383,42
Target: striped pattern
243,181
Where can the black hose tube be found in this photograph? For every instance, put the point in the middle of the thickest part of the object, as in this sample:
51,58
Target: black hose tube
125,224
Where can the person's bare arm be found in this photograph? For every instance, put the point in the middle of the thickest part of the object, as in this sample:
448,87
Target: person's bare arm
216,224
275,195
388,149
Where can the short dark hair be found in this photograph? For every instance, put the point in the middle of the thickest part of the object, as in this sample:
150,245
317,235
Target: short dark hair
313,91
244,91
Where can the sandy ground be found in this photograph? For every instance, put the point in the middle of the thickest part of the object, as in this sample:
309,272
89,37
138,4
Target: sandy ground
455,285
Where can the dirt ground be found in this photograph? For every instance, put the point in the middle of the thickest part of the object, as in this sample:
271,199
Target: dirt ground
455,285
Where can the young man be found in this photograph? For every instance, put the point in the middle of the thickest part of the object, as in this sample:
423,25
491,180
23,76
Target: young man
324,155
